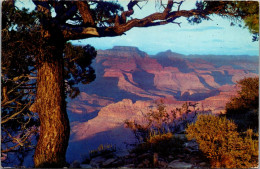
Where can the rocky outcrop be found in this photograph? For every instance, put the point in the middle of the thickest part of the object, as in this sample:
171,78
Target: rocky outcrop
110,117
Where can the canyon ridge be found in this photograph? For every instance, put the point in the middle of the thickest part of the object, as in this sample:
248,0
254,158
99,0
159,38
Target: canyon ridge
129,83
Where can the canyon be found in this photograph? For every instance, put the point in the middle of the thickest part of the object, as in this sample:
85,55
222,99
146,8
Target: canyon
129,83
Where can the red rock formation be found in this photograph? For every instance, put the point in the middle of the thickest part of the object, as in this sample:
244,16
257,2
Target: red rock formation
139,77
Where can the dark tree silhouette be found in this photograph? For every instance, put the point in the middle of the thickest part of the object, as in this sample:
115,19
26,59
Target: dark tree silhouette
20,41
60,21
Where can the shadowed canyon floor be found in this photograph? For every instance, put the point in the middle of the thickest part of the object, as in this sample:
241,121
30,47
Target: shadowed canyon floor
129,82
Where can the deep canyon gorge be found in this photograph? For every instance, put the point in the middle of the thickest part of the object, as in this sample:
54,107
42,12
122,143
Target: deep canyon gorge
129,83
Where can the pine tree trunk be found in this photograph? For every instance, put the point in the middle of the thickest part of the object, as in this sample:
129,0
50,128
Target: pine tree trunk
51,106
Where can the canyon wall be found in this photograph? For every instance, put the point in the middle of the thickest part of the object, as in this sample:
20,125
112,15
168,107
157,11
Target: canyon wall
129,83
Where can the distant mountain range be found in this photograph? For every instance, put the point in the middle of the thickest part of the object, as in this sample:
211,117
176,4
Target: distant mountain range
129,81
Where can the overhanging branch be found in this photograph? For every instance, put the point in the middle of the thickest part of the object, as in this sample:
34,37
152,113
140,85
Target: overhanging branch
165,17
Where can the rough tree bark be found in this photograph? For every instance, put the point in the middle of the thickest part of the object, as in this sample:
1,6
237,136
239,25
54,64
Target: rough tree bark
51,106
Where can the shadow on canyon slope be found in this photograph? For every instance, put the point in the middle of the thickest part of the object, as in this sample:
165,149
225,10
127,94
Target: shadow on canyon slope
107,86
222,79
83,117
196,96
202,80
171,59
119,137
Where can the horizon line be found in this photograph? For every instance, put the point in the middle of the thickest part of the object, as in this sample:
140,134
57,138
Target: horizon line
177,52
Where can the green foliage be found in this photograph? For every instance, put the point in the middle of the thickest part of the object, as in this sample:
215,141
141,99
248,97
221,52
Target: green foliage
248,95
250,14
243,109
236,11
105,12
218,139
78,67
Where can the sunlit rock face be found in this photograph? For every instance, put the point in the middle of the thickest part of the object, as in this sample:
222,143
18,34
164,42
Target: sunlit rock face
129,83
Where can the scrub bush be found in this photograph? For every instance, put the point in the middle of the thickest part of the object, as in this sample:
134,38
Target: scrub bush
244,108
222,144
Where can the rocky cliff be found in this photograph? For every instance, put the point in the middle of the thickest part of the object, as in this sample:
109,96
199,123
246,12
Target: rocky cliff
129,82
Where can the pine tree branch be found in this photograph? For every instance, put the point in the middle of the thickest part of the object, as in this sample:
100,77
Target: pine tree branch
84,10
6,119
43,6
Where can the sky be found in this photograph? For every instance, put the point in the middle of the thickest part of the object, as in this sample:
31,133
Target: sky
215,36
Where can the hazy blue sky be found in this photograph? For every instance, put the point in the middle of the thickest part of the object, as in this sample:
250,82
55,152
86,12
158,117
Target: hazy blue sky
209,37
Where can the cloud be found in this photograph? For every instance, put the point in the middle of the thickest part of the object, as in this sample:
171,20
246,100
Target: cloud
200,29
